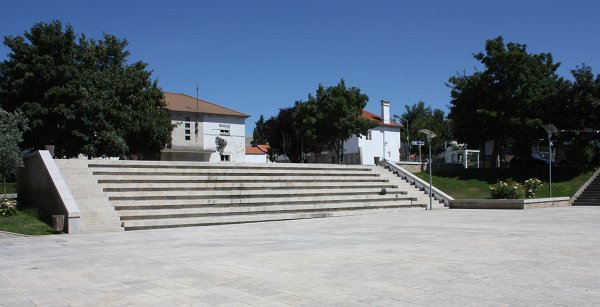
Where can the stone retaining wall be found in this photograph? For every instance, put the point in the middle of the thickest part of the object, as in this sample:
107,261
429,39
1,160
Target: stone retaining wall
514,204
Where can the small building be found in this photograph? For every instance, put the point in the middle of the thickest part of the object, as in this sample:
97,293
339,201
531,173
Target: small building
257,154
381,142
459,154
197,125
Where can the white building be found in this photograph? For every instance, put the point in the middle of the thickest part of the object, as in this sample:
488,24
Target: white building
383,141
257,154
197,124
380,142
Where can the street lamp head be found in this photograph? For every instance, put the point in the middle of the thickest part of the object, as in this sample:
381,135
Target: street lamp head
550,129
430,134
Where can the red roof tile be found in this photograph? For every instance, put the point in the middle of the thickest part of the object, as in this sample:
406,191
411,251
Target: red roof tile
257,150
376,118
184,103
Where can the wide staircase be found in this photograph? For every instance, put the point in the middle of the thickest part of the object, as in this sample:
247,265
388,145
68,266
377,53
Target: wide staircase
133,195
590,196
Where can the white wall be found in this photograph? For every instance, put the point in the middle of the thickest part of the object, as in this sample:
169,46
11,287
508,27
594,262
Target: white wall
235,140
369,149
257,159
178,134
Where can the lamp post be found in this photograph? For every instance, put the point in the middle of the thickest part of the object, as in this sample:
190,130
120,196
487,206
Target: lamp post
550,130
430,135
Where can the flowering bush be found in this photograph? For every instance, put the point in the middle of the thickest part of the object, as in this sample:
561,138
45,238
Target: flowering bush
505,190
8,207
531,187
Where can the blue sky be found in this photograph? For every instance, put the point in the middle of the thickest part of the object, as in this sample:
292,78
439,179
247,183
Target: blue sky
259,56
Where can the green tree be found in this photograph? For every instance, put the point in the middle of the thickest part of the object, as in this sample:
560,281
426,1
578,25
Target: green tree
420,117
580,151
11,132
282,135
325,120
583,98
339,109
220,144
506,101
82,95
258,134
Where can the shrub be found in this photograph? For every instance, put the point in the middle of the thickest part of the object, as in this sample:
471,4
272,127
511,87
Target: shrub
531,186
505,190
8,207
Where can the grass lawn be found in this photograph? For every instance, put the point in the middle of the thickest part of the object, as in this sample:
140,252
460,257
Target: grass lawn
25,222
474,183
11,188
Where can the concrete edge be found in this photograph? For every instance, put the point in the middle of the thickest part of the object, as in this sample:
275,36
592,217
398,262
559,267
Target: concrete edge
73,214
13,234
584,186
510,204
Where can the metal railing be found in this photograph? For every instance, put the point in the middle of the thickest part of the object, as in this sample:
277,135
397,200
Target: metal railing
418,182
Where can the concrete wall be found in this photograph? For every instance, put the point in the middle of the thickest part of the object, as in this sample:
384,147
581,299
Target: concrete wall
413,167
201,144
515,204
186,121
369,149
236,149
40,185
257,159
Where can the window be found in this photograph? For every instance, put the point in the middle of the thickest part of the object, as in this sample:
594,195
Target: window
224,129
224,158
369,135
187,130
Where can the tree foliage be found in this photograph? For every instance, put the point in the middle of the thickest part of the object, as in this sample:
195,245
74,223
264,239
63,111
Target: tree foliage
82,95
325,120
505,101
418,116
11,135
282,135
220,144
338,115
258,136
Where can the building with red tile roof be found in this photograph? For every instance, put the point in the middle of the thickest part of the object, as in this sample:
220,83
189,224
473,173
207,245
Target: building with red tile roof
197,124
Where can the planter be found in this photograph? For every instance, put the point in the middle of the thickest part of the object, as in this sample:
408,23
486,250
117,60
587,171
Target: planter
514,204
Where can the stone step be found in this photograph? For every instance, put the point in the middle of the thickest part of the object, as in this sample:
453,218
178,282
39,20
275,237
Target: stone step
248,218
244,202
185,186
218,166
241,210
586,204
100,229
225,172
225,179
589,198
168,195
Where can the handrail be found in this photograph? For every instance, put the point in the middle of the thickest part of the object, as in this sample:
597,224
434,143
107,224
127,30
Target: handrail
418,182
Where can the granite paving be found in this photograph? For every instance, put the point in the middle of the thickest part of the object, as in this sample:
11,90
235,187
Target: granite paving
412,257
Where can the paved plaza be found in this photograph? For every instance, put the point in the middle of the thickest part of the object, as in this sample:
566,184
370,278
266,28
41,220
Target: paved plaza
408,258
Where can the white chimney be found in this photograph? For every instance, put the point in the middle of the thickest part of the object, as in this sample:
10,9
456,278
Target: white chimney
385,111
